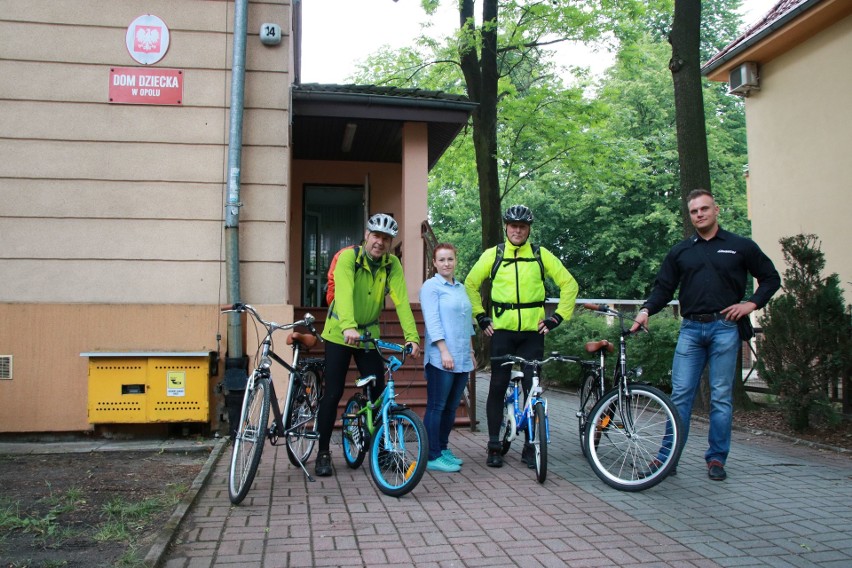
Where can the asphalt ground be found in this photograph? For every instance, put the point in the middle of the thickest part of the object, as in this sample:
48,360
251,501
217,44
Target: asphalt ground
783,504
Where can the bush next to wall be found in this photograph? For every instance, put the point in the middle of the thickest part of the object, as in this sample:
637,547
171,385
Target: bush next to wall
652,351
806,347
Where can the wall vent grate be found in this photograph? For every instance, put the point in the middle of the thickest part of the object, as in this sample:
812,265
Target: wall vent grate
6,367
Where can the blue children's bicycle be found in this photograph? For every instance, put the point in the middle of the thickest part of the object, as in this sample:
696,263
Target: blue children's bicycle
529,417
393,434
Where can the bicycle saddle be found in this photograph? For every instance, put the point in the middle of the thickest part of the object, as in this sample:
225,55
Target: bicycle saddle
365,380
306,339
595,346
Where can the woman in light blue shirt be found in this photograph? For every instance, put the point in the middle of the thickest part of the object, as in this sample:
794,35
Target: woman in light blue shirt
448,354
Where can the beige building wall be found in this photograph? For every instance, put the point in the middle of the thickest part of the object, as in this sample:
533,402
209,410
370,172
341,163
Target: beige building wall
115,207
48,391
799,143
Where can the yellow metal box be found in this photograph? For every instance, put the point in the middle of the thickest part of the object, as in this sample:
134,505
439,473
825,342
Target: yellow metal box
148,387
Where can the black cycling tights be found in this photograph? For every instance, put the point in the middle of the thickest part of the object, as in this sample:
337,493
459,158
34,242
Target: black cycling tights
526,344
337,358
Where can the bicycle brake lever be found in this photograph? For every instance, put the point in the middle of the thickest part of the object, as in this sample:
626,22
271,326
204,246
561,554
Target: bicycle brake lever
629,332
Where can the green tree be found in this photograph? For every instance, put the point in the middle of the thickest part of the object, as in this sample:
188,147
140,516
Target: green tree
685,65
597,162
806,346
507,43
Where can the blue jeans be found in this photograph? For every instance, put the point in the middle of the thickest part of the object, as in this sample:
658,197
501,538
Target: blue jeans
716,343
443,394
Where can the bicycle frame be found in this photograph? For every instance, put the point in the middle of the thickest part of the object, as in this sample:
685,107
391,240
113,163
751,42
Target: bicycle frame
264,369
386,399
621,379
521,419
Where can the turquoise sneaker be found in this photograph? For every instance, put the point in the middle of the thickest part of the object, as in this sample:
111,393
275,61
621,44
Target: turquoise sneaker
441,464
450,457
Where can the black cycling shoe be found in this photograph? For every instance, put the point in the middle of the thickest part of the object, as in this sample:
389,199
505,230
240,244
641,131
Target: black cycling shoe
323,465
495,458
528,456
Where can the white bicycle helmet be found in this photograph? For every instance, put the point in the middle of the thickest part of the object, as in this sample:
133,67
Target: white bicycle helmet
382,223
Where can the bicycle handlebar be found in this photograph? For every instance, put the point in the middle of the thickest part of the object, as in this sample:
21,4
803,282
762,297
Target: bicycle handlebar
386,345
603,308
606,310
307,321
511,359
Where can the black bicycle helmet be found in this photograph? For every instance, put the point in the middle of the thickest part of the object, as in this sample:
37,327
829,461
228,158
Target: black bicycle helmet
382,223
518,214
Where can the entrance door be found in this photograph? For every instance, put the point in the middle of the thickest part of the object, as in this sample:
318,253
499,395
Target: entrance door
334,218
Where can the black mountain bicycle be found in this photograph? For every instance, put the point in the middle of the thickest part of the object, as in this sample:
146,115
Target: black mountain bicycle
297,424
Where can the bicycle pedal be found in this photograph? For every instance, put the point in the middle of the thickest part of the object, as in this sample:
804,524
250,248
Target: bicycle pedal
410,470
311,435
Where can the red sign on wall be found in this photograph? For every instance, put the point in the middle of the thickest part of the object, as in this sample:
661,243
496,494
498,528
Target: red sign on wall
147,39
145,86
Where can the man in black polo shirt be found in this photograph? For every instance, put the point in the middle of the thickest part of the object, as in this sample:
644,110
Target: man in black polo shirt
710,268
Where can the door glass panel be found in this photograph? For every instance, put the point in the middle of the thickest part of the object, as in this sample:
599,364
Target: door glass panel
334,218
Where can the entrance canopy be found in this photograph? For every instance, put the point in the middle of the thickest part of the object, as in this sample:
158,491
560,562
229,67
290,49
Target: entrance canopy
363,123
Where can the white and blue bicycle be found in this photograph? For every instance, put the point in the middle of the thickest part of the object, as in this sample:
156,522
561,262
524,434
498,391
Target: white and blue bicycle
526,417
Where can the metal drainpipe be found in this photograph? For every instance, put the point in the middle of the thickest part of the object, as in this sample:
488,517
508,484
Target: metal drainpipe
232,208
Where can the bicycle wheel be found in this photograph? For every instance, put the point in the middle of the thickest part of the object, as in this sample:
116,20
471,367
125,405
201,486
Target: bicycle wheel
301,420
638,443
355,435
538,439
398,467
589,396
507,425
248,444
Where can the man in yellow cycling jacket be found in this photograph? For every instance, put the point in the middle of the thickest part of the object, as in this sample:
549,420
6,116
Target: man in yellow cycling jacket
517,323
362,277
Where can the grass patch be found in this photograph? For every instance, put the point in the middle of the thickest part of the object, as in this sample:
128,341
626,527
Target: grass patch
44,525
124,519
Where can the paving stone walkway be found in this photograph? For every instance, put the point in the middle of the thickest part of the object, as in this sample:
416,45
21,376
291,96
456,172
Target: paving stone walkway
782,505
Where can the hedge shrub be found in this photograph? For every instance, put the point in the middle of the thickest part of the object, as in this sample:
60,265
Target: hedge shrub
652,351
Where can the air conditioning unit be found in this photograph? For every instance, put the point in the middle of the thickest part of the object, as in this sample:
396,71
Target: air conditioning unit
743,79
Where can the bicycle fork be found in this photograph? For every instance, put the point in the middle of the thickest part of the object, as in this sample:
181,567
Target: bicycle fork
535,391
512,425
242,431
625,409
